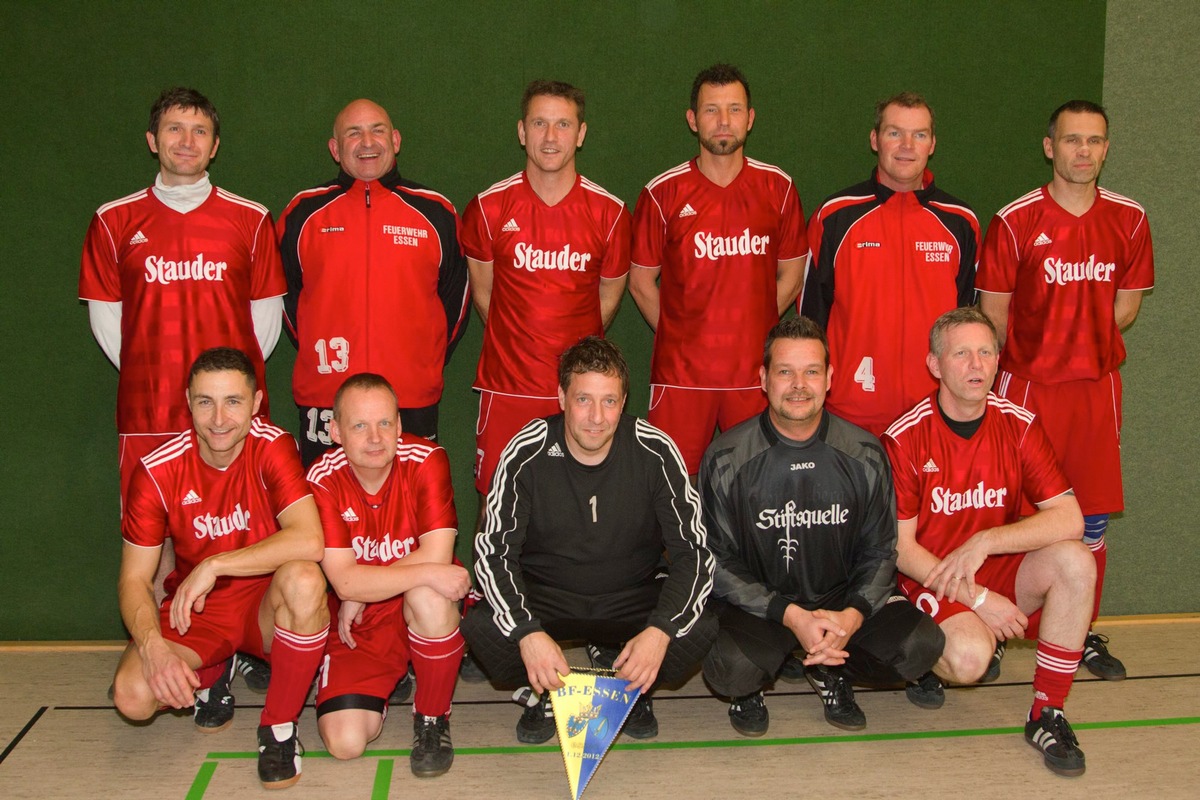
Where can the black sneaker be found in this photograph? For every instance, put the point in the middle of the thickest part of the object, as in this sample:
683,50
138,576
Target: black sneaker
470,670
403,690
993,670
1052,735
641,722
213,709
793,670
602,656
536,724
748,715
254,671
837,694
279,752
927,692
432,752
1099,661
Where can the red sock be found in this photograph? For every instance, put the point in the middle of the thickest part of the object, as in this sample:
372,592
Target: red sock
208,675
1053,675
436,663
1100,551
294,661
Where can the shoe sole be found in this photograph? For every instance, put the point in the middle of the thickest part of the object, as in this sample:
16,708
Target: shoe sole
928,705
213,730
1066,772
284,784
527,738
430,773
1103,675
845,725
752,733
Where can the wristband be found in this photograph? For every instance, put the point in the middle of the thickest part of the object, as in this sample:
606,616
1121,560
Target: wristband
979,599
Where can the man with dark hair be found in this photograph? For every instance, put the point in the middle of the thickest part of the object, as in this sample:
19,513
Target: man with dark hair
548,252
801,517
889,255
964,461
387,508
376,280
718,253
1062,274
230,494
167,272
582,508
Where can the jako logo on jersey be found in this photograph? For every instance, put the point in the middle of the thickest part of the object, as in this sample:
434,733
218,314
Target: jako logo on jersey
366,548
935,251
216,527
530,258
160,270
1064,272
402,234
944,501
790,518
714,247
804,465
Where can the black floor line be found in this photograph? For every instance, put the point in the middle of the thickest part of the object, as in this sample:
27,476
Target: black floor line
785,693
17,739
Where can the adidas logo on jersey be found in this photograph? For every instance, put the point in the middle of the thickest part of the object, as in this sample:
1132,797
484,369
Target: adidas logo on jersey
511,226
1042,240
139,238
349,516
190,498
930,466
555,451
687,211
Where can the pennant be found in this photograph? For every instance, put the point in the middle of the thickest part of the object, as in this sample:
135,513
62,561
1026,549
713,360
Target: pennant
588,712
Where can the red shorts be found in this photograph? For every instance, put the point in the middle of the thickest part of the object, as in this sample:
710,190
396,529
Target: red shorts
1083,422
376,663
500,417
228,623
132,448
998,574
689,416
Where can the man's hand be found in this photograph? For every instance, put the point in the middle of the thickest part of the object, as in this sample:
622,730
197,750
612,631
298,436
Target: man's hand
449,580
1003,617
811,631
544,661
191,594
848,621
168,675
350,613
959,566
641,658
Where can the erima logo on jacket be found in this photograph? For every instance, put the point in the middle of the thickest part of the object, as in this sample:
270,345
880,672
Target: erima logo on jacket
714,247
164,271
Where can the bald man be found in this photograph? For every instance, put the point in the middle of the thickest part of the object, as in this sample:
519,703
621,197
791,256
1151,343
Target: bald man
376,280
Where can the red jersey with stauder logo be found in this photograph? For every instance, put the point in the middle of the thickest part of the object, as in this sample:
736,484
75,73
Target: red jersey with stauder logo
205,510
1063,273
547,262
185,282
956,487
416,498
718,248
376,283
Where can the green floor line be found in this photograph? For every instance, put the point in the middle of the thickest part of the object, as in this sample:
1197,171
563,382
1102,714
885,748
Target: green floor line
383,779
802,740
203,777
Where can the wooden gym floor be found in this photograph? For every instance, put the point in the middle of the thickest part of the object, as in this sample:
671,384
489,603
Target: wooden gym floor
1141,736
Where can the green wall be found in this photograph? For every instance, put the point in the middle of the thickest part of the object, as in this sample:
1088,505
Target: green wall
76,85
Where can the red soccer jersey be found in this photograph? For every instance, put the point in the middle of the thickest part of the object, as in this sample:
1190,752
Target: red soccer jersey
1064,272
381,528
719,249
955,487
547,262
205,510
185,282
